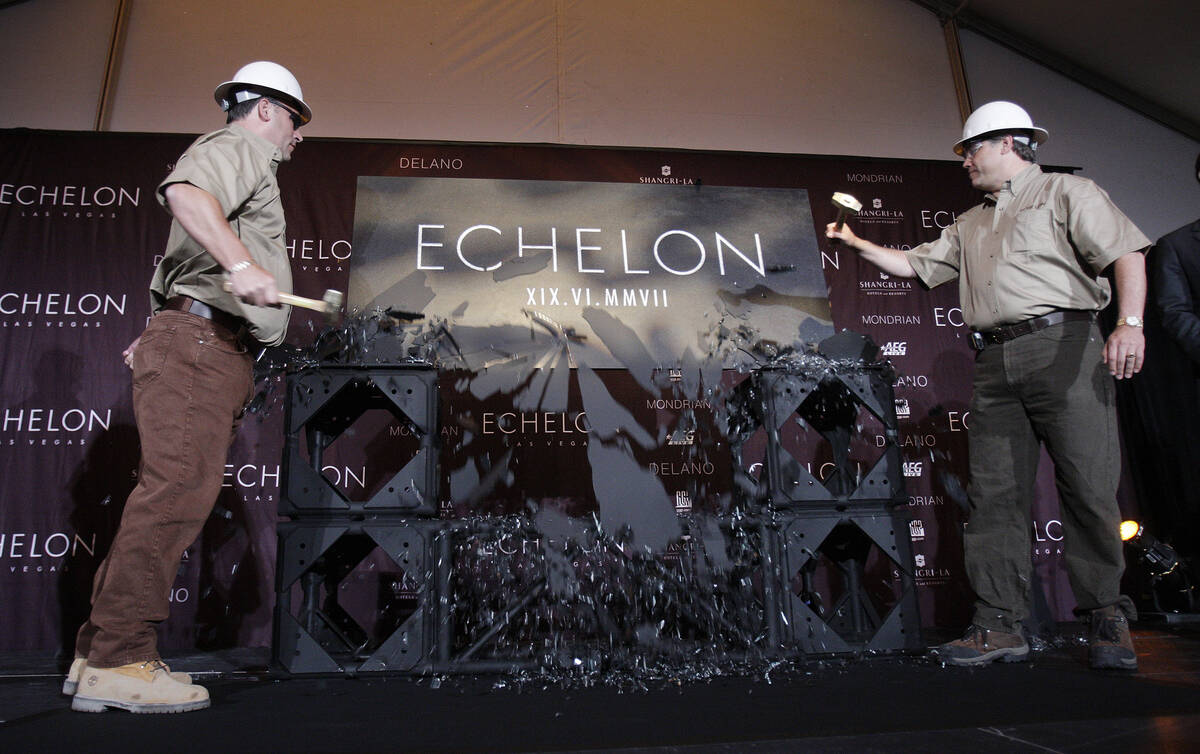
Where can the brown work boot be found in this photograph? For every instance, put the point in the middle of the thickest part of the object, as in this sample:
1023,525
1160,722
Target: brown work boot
71,682
1110,647
137,687
979,646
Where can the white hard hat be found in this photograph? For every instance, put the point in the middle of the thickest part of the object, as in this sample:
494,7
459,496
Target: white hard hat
263,79
998,117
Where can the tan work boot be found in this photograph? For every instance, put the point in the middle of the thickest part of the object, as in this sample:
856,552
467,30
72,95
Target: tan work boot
71,682
1110,647
137,687
979,646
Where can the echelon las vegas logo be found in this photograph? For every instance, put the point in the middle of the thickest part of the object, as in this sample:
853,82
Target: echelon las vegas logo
61,309
52,426
66,201
31,552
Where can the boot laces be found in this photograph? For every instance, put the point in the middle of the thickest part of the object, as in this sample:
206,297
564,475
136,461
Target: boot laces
1109,628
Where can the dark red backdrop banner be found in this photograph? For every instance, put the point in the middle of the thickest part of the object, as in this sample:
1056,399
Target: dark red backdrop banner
81,231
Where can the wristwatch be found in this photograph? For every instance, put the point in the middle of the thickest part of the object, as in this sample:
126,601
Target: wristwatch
1131,321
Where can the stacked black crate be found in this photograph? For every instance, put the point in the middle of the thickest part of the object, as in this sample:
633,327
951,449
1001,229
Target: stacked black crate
356,582
837,554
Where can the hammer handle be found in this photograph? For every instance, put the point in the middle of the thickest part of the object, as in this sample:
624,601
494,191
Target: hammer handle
304,303
287,298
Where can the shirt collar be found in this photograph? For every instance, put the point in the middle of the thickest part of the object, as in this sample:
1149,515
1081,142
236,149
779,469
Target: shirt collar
1019,181
260,145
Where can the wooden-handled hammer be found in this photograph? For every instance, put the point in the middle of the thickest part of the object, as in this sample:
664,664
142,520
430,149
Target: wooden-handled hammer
329,305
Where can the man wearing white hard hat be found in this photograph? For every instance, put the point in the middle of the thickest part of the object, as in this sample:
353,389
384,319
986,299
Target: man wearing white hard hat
1035,262
192,370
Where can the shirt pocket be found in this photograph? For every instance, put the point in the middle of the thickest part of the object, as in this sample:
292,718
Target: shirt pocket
1033,232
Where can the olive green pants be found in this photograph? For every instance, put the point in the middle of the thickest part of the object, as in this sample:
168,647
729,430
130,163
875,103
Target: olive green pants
1049,387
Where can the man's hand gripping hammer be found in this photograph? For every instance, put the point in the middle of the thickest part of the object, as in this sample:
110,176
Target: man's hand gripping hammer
329,305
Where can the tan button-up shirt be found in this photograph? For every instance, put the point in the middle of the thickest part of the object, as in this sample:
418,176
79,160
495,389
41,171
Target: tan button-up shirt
238,168
1039,244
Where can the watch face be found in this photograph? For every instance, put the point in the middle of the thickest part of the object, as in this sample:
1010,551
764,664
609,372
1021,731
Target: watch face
1132,321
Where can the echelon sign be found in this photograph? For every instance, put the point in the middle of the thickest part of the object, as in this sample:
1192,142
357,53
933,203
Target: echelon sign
669,262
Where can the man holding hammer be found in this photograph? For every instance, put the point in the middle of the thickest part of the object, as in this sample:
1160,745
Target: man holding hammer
1033,264
192,377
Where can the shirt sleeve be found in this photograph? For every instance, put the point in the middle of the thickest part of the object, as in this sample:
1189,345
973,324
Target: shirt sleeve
1098,229
231,174
939,261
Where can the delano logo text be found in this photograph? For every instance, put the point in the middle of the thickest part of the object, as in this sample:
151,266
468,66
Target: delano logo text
430,163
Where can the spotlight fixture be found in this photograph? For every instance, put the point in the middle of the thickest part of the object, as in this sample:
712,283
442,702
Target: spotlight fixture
1129,530
1167,587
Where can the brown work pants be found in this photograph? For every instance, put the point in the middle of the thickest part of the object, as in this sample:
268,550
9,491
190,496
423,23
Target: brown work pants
191,381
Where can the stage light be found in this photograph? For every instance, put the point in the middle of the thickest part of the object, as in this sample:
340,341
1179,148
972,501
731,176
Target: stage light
1129,530
1160,556
1168,588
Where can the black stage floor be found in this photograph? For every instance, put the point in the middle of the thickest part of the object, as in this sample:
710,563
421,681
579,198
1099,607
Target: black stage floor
868,704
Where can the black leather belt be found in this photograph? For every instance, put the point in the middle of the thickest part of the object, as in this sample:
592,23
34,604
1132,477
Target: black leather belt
200,309
980,339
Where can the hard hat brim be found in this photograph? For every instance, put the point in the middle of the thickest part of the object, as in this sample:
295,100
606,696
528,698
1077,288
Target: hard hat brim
223,96
1039,136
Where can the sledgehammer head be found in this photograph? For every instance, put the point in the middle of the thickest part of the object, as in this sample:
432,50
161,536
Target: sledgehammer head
332,306
846,205
333,302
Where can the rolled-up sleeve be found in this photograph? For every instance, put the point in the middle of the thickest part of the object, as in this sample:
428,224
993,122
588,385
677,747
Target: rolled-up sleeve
938,261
